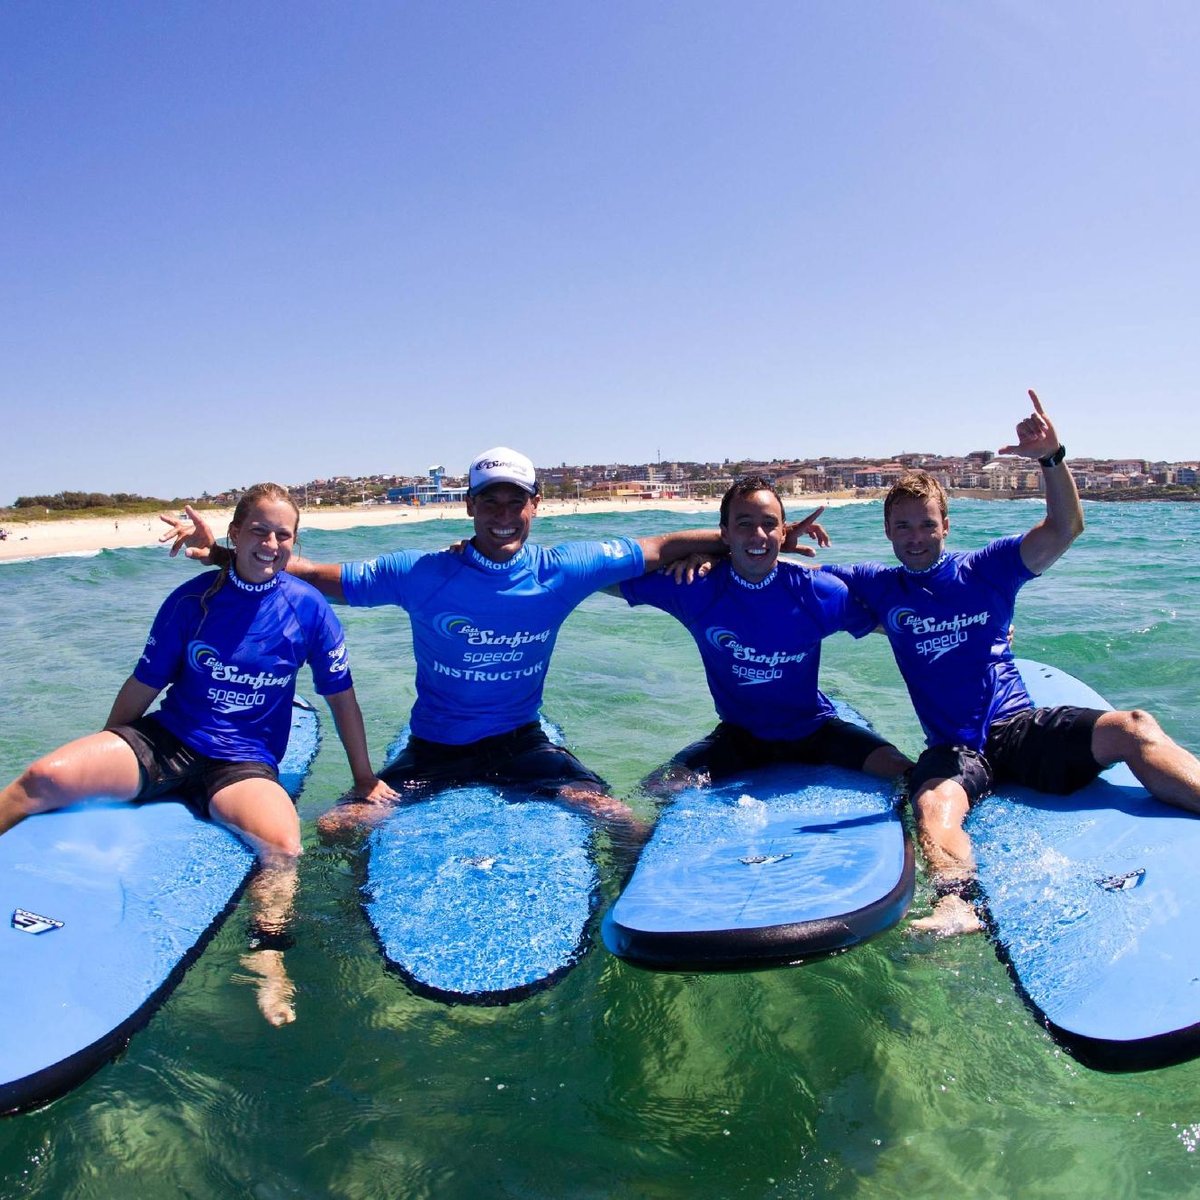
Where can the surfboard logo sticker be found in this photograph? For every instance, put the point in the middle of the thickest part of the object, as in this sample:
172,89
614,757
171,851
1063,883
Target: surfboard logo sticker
31,922
763,860
1122,883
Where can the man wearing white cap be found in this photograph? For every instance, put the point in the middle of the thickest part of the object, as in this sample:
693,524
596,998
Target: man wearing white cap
484,623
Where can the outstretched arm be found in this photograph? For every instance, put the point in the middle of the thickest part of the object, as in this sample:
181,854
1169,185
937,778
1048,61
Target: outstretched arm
668,547
347,716
325,577
1048,540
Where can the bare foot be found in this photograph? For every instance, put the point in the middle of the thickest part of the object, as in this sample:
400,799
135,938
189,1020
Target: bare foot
274,990
951,916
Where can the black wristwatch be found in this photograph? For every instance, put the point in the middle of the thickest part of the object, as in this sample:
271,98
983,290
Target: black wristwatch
1052,460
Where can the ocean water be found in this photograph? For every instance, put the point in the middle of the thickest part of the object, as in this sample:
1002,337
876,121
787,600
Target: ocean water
905,1067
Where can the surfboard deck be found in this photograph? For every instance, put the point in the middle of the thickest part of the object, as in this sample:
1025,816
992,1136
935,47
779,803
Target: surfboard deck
106,905
786,864
481,897
1092,901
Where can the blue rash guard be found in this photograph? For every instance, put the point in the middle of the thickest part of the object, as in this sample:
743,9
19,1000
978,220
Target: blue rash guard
232,670
760,642
482,631
948,627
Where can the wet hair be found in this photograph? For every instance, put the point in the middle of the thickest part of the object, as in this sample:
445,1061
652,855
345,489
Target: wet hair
744,486
241,513
916,485
262,491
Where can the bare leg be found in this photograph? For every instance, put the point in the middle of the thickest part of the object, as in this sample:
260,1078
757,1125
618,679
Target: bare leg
886,763
614,813
99,765
941,807
274,989
262,813
1161,765
669,780
344,822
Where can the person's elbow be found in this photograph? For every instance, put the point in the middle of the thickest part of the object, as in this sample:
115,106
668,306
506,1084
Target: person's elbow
652,553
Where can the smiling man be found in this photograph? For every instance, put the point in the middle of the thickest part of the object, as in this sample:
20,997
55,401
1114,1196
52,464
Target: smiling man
484,623
758,624
947,615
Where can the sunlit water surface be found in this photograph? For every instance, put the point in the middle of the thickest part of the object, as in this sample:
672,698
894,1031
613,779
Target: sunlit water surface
902,1068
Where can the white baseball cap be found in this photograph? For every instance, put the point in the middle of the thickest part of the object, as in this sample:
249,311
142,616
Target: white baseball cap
502,465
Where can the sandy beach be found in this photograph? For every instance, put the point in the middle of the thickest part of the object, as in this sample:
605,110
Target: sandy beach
88,535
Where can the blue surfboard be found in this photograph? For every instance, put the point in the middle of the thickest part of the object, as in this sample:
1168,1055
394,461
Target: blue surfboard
480,895
787,864
105,906
477,897
1092,900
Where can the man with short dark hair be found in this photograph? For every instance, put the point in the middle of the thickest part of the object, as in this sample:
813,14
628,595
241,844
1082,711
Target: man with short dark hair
484,623
758,624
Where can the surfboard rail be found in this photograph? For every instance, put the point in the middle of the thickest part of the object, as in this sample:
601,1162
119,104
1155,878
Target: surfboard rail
785,945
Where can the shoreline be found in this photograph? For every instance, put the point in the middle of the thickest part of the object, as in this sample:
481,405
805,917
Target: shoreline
90,535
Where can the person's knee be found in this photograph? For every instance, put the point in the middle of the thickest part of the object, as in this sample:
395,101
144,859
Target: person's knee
38,787
282,852
940,802
1143,727
1120,735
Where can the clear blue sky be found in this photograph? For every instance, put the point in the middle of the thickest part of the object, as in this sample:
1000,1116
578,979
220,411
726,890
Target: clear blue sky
288,240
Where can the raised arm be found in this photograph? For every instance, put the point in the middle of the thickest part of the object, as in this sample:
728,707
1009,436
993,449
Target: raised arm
347,716
1048,540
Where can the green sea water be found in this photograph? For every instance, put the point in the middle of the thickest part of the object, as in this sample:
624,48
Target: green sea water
904,1068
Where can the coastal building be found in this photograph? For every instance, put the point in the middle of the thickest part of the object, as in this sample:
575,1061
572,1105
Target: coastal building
433,491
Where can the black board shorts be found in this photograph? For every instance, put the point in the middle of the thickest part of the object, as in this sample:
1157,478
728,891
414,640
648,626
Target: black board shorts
1047,749
730,749
170,765
523,757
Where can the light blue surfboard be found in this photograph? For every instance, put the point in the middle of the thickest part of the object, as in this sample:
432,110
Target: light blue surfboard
104,907
1093,903
787,864
480,895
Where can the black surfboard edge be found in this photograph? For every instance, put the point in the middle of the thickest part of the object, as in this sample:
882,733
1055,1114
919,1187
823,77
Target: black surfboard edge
768,946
